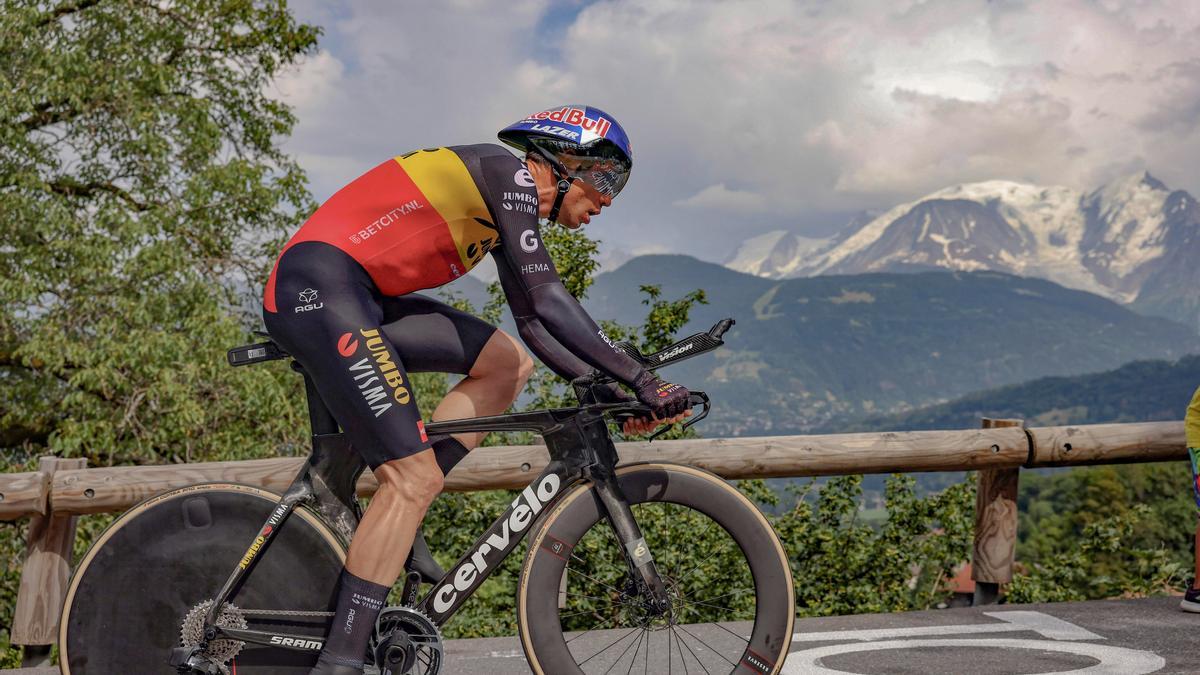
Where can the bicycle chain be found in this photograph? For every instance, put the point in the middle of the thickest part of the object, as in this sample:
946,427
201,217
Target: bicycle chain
284,612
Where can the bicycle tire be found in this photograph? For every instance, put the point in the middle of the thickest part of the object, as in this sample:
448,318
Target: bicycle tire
561,530
132,589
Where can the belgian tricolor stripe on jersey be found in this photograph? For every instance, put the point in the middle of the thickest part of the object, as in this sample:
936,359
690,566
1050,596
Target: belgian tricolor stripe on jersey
416,221
449,187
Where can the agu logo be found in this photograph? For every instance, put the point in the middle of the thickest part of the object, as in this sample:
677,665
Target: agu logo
308,300
523,178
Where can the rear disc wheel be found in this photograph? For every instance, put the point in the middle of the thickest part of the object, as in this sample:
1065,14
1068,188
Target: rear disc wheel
131,592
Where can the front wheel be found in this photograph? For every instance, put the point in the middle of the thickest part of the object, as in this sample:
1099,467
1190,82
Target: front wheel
579,611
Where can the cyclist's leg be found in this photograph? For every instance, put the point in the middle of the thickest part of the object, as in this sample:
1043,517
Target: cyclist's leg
432,336
362,380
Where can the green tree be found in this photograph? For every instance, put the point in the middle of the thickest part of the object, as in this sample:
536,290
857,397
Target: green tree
143,193
844,566
1105,531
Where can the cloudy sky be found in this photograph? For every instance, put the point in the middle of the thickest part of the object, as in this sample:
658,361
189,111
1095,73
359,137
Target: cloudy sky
748,116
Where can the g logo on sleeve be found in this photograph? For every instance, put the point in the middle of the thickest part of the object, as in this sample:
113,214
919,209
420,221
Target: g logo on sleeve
529,241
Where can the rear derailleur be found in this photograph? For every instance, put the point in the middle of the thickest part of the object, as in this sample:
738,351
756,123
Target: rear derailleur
193,661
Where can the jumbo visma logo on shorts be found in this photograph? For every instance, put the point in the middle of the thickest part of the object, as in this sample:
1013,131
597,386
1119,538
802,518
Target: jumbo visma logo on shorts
375,374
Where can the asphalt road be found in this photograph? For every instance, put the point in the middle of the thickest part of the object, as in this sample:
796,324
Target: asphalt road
1113,637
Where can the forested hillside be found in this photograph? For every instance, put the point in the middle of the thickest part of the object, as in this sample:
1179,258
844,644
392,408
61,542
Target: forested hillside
815,352
1141,391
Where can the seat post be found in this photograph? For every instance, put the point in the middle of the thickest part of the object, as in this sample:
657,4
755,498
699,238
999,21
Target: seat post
319,417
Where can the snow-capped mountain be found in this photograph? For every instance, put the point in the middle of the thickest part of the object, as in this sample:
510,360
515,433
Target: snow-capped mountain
1133,240
775,254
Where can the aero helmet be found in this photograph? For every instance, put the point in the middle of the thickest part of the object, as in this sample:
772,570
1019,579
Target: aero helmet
580,143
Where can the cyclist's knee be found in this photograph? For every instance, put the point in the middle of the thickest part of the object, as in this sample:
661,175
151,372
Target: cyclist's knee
524,368
415,480
503,358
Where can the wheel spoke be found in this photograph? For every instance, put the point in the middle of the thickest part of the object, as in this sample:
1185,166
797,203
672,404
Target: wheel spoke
746,640
623,653
646,656
590,597
710,647
710,606
682,658
610,646
575,571
590,630
723,595
633,660
697,566
670,656
679,639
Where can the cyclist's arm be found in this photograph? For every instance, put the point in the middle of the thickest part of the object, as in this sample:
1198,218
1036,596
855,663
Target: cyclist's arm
531,284
551,352
552,322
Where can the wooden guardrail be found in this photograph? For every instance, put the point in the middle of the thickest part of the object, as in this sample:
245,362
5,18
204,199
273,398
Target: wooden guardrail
58,492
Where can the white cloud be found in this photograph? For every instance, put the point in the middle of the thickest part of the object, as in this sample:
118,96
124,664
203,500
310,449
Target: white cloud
310,83
806,106
720,197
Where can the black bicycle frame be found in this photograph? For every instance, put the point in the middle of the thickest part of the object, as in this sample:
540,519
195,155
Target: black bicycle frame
580,448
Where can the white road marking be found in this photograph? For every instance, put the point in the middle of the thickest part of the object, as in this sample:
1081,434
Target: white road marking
1044,624
1113,660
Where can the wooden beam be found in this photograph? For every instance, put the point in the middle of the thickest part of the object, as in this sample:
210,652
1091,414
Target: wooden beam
1108,444
23,494
995,525
116,488
107,489
46,569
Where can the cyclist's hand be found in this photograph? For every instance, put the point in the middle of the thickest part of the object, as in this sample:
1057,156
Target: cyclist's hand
664,399
638,426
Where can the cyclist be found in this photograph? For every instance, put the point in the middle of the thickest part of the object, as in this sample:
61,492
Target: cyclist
341,300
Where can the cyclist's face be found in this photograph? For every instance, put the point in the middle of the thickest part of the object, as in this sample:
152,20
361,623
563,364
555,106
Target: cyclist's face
581,202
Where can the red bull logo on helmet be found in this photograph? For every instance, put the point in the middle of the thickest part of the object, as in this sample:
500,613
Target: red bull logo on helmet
575,117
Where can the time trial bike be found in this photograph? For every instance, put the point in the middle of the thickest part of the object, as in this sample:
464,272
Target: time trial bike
230,578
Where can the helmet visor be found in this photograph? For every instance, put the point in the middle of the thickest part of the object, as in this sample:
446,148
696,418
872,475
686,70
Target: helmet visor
602,166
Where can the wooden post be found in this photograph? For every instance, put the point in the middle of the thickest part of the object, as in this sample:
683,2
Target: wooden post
45,573
995,526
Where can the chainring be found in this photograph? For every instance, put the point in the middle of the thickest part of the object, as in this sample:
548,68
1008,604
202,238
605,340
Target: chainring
191,633
423,646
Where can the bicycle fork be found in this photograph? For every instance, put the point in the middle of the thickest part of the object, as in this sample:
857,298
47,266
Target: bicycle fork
634,546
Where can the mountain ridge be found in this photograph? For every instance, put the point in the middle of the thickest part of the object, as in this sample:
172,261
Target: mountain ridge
808,351
1131,240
